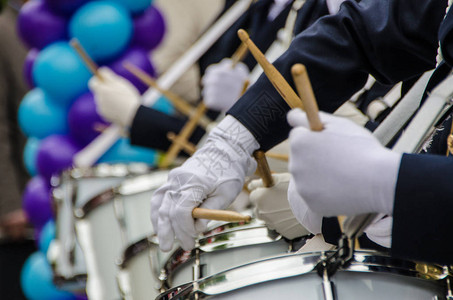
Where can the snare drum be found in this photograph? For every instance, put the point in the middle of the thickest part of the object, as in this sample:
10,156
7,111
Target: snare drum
370,276
111,221
73,189
221,248
140,267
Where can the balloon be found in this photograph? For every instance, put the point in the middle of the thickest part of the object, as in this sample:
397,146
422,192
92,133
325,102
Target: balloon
55,154
61,72
36,280
65,7
149,29
103,28
28,66
30,154
38,26
163,105
139,58
123,152
36,201
134,6
83,119
39,116
46,236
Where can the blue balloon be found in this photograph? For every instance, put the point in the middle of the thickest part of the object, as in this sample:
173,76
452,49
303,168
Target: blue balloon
40,116
103,28
123,152
30,154
36,280
47,235
60,71
163,105
135,6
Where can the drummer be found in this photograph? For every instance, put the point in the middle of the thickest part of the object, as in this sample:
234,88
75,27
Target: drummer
338,51
119,102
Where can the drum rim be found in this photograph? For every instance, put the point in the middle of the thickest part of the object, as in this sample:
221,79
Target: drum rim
121,190
136,248
219,242
204,285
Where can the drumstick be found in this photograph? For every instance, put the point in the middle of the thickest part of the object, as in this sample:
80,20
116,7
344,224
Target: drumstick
186,145
184,135
307,96
263,168
219,215
239,54
283,157
180,104
85,57
274,76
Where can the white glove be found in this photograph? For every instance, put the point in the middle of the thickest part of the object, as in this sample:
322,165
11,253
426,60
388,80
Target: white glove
380,231
309,219
223,84
211,178
117,100
334,6
272,206
343,169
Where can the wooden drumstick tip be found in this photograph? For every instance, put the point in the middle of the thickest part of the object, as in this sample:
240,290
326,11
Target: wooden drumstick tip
243,35
298,69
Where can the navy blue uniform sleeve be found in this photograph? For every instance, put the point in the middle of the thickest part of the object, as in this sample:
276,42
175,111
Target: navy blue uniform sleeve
423,209
150,127
392,40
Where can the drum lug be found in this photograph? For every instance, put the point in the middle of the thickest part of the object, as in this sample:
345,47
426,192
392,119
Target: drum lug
328,287
197,267
324,269
449,286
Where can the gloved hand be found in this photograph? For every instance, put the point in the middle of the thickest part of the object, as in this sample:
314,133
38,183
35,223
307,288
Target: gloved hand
272,206
211,178
117,100
380,231
223,84
309,219
343,169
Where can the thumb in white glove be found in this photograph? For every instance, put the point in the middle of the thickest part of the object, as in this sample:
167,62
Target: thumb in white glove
309,219
117,100
211,178
223,84
380,231
272,206
343,169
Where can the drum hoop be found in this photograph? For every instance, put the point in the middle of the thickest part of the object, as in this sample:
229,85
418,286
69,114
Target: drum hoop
109,170
119,191
219,242
136,248
76,279
252,273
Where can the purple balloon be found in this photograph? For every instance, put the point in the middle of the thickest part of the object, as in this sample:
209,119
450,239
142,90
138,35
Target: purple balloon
83,119
38,26
149,29
28,66
55,154
36,201
65,7
139,58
